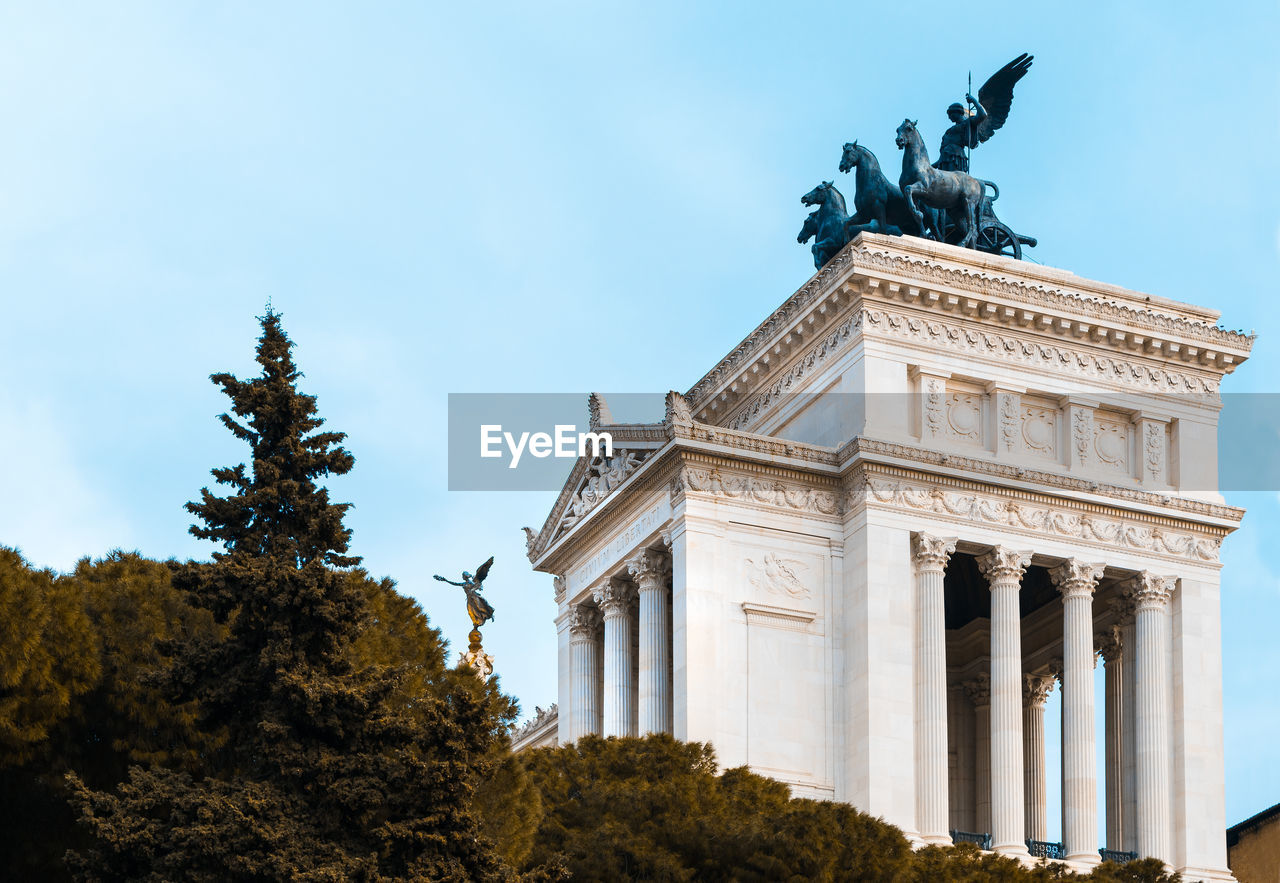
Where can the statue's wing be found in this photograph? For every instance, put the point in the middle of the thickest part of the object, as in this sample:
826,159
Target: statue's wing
483,571
996,95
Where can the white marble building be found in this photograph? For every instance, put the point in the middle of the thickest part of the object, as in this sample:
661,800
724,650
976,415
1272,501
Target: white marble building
858,554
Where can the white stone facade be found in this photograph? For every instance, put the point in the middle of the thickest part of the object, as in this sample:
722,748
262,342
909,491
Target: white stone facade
858,554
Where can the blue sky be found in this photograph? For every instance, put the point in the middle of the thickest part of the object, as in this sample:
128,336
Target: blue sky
554,197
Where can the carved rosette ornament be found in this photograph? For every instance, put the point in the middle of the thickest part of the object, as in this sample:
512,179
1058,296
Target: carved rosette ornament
583,622
931,553
1036,688
1150,591
1004,565
1075,578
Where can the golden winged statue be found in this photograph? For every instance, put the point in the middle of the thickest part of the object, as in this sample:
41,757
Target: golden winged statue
478,608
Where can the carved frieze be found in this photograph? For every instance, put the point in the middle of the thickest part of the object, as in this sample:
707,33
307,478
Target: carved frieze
752,489
1032,518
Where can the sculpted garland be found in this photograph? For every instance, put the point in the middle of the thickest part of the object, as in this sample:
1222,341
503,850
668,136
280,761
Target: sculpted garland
993,510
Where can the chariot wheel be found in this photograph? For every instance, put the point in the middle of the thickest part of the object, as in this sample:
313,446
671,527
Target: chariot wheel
995,238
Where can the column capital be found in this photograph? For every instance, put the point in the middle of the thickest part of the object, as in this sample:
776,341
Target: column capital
646,566
1150,591
583,622
613,596
1110,644
1076,578
1055,670
930,552
1036,688
978,690
1004,564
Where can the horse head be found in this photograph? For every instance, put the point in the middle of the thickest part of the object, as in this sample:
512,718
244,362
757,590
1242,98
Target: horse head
907,132
818,195
849,159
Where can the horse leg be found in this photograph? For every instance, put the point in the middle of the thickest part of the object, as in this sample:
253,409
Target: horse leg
909,193
882,215
971,225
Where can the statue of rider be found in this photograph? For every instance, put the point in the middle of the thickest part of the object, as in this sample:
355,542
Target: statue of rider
963,133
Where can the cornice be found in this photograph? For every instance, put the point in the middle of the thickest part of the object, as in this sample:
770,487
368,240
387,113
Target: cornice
708,448
1121,337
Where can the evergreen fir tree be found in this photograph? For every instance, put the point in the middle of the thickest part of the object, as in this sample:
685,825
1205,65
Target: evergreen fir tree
327,773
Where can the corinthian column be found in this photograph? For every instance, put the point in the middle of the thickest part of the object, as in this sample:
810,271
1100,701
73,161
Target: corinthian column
1003,569
1151,595
1076,581
979,692
584,660
1112,649
614,599
1128,737
655,643
1036,689
930,555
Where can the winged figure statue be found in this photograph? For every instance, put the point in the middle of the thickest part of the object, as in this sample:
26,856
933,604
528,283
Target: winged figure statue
478,608
990,110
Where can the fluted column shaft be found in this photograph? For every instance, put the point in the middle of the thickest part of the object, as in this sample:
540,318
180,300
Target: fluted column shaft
1112,650
655,643
1036,690
979,693
930,555
1151,594
1128,739
584,660
614,599
1076,581
1003,569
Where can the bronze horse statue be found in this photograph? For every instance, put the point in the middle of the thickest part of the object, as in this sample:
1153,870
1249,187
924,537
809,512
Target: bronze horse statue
877,200
826,226
956,193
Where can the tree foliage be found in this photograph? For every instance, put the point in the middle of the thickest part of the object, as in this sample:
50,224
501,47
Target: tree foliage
334,766
47,655
657,809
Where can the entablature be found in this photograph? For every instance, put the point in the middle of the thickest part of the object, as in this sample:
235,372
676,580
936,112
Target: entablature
827,483
926,293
